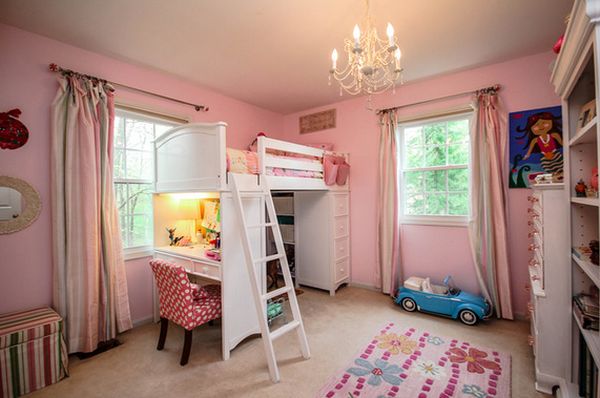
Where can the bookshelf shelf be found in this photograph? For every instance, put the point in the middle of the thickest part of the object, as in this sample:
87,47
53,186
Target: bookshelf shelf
592,339
586,201
586,135
591,270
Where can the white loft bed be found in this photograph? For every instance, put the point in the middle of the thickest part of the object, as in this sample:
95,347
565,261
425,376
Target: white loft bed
200,153
193,158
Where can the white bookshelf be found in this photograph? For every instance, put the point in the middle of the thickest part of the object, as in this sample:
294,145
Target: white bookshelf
575,78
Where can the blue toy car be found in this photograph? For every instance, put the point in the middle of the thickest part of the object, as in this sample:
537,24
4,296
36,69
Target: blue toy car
420,294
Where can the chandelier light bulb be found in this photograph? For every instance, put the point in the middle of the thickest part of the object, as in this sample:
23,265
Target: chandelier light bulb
356,34
334,57
390,34
398,54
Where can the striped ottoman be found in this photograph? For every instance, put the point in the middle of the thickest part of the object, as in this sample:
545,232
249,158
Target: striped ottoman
33,353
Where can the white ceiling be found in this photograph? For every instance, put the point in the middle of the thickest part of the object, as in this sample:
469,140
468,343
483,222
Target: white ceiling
275,53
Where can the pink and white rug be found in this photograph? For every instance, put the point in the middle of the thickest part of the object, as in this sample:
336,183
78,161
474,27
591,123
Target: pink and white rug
405,362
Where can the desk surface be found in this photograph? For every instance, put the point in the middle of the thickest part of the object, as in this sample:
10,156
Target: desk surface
196,253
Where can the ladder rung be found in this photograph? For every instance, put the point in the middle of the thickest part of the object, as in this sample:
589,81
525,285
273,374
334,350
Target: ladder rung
268,258
276,292
269,224
288,327
252,194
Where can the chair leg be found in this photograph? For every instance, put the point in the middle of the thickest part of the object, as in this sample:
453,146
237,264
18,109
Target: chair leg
187,346
164,327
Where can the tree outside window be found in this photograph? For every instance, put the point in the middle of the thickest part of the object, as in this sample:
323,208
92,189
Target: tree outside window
434,170
133,174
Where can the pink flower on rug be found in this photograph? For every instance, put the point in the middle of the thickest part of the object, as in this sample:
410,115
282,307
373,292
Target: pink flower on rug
396,344
474,359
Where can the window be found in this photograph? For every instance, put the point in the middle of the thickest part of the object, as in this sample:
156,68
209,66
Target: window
434,171
134,174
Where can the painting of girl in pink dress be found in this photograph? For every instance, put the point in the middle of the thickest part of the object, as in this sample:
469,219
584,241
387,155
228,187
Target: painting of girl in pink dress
536,145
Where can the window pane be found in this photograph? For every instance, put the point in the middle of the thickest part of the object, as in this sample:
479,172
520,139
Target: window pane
161,129
435,156
435,134
140,199
139,134
435,181
458,204
119,163
458,131
458,154
414,204
121,196
414,157
413,136
458,180
141,230
119,132
139,165
435,204
124,230
413,181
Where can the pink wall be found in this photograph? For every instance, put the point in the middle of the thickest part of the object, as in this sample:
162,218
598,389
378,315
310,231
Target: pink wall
25,83
25,257
430,250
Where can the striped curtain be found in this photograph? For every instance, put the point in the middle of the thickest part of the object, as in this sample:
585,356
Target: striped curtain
90,290
388,222
489,201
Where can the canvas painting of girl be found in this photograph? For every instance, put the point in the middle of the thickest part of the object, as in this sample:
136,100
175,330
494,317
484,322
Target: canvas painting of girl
536,145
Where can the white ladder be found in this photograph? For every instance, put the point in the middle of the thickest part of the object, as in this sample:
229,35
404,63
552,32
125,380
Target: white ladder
260,299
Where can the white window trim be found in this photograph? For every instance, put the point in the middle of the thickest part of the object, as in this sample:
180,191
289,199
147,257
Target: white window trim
431,220
137,252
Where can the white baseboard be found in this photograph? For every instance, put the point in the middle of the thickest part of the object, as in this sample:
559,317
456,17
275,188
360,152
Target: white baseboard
365,286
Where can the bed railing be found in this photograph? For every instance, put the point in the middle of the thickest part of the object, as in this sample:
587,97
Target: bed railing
264,161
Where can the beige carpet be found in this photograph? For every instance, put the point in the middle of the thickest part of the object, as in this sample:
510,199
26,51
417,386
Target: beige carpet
336,327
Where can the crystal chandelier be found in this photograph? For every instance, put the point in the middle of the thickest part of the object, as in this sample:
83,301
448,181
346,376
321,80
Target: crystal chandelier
373,64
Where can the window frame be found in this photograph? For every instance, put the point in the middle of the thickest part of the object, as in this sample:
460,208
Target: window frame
446,220
139,251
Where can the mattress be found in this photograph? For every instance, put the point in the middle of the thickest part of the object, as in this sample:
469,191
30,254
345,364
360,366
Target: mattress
246,162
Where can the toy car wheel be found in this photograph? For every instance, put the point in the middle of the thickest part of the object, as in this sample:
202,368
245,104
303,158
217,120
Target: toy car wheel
468,317
408,304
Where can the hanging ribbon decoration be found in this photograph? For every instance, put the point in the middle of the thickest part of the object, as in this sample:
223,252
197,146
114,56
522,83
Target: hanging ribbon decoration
13,133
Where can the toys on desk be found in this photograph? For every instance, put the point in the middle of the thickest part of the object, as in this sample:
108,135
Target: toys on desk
580,189
448,300
174,240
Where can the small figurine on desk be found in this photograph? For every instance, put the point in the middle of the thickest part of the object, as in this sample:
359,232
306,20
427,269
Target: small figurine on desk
174,240
580,189
594,256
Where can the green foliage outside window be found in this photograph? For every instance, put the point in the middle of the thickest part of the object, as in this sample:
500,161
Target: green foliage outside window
435,168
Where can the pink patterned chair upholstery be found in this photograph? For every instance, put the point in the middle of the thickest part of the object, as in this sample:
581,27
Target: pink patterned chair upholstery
183,303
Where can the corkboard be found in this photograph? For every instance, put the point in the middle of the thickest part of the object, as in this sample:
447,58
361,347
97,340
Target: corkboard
317,121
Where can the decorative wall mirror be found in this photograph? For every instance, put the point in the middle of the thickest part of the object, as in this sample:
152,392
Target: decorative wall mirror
20,204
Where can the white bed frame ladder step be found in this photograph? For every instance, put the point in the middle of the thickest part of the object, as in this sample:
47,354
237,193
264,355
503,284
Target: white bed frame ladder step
260,299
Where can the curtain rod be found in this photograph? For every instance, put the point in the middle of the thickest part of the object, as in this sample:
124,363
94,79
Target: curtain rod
493,88
55,68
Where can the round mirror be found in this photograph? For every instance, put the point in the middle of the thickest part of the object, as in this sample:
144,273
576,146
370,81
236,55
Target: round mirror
11,203
20,204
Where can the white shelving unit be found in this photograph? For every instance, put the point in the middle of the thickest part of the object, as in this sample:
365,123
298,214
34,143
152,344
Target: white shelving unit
576,79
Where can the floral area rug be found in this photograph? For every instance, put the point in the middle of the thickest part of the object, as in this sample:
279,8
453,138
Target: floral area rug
405,362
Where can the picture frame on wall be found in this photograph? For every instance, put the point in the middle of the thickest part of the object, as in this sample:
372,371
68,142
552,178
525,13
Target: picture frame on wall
535,146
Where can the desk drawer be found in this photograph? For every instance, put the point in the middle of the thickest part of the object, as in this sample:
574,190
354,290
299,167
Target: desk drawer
341,226
187,264
342,269
341,248
340,204
210,271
